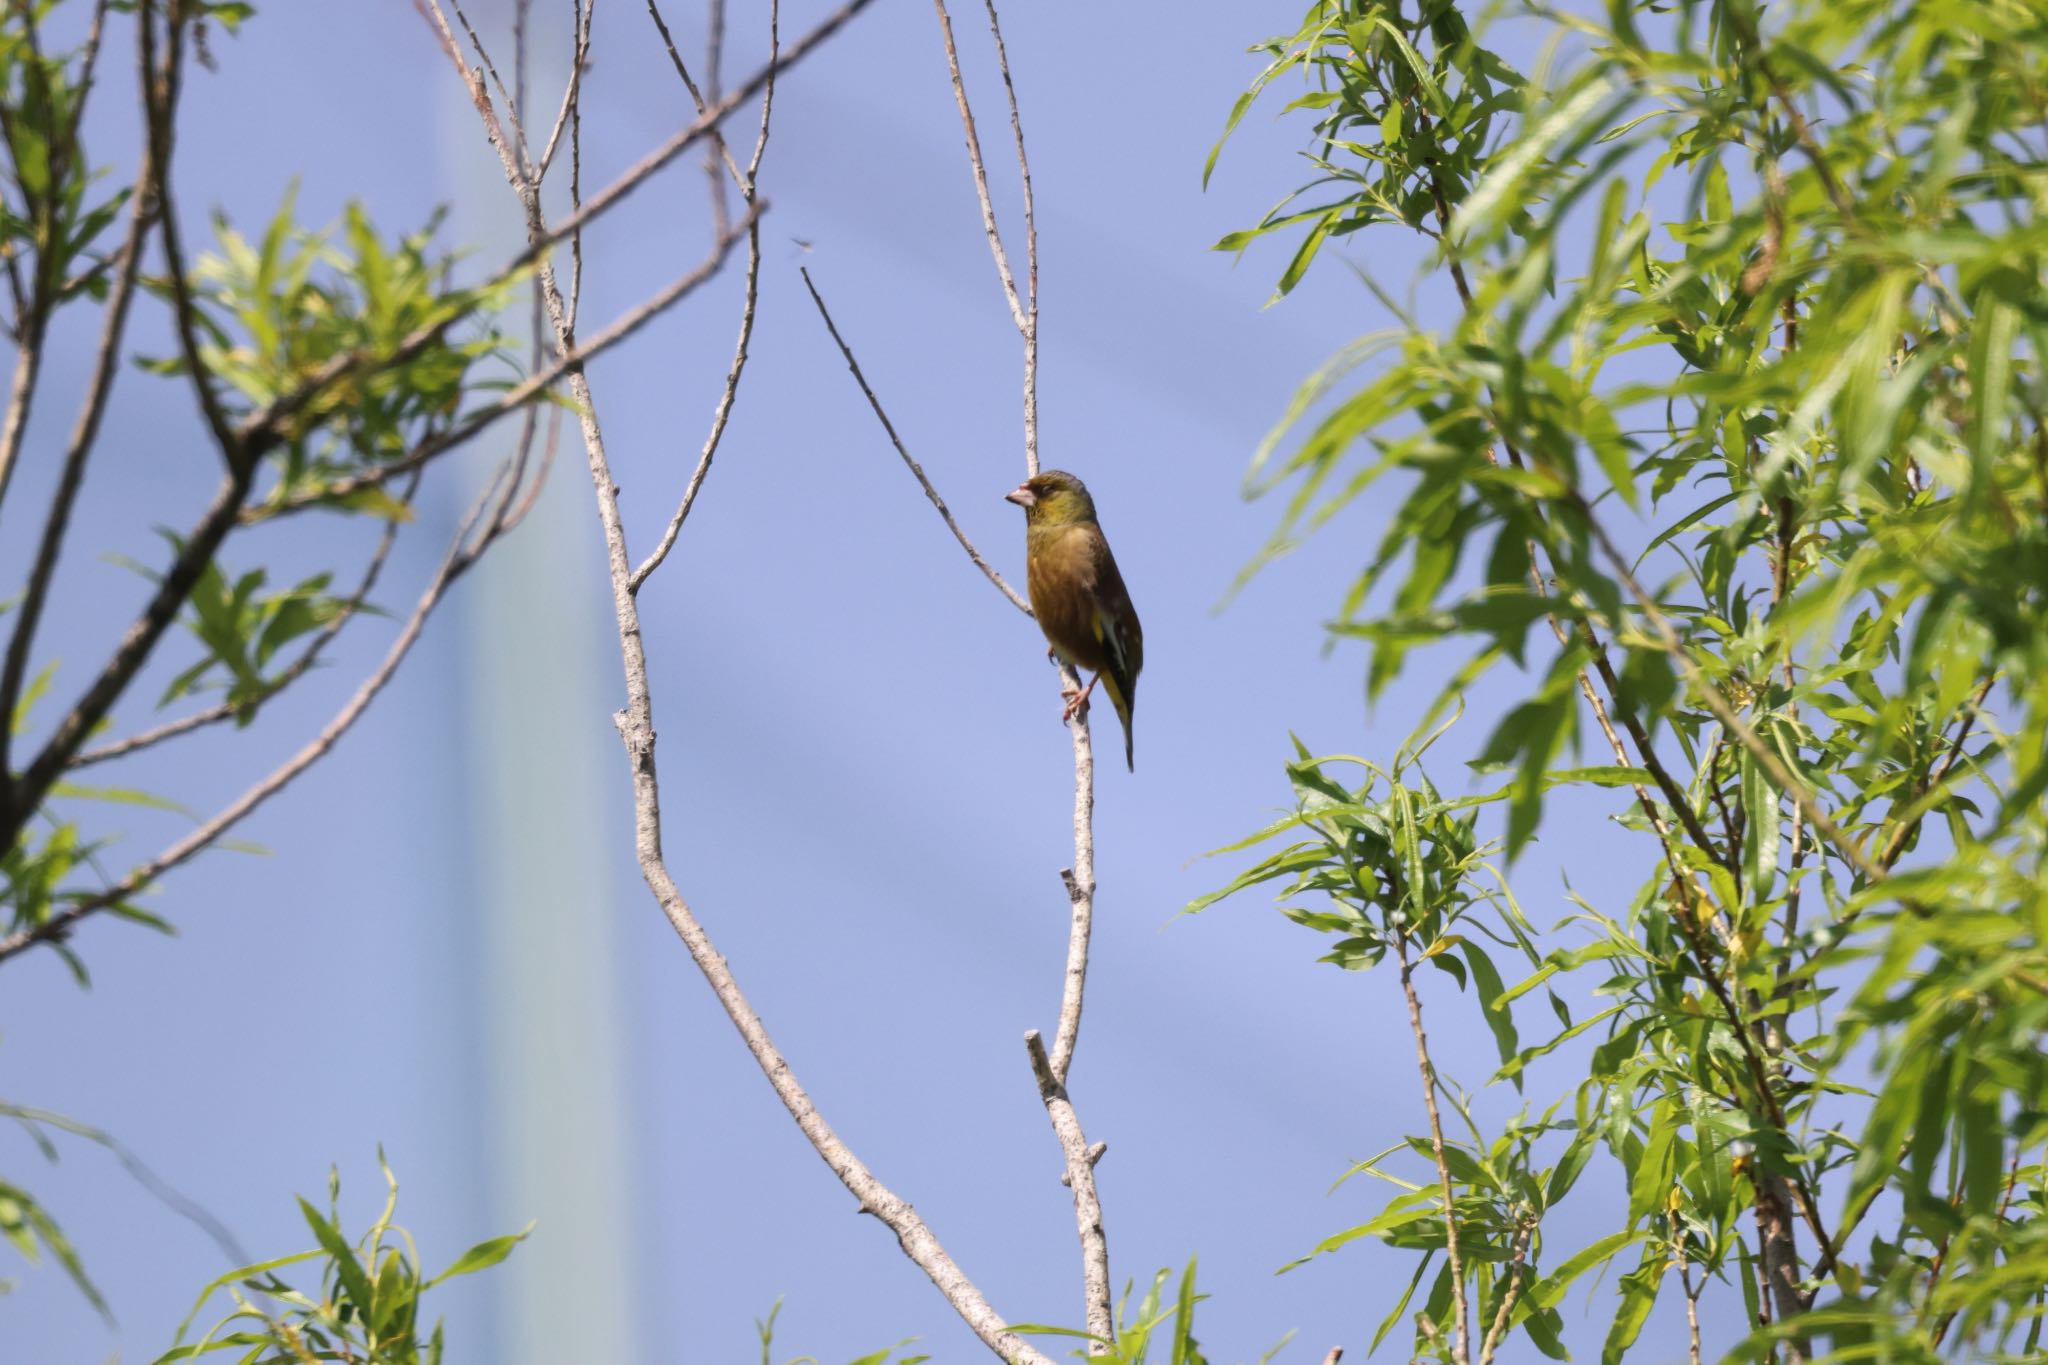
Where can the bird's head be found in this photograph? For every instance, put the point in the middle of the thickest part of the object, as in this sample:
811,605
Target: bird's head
1053,497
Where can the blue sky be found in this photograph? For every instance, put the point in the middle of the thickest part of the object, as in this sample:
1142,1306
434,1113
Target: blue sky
448,949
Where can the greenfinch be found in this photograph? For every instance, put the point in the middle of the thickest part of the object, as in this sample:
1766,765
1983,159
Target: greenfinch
1077,594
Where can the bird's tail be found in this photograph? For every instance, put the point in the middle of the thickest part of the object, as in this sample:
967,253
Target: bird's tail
1120,698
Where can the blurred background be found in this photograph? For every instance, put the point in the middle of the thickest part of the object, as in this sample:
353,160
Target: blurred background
448,950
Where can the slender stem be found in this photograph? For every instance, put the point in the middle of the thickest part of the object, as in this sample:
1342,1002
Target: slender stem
160,104
916,470
988,210
747,182
1692,1294
1029,326
1461,1333
1517,1266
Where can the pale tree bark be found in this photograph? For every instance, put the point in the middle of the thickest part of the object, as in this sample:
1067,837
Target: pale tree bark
635,722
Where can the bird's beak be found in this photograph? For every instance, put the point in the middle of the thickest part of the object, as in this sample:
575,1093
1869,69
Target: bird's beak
1021,495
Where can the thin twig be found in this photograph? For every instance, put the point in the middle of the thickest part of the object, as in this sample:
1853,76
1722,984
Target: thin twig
917,470
747,182
1080,1176
160,103
697,96
1896,842
1692,1294
513,111
571,93
1517,1264
988,210
1029,326
1461,1318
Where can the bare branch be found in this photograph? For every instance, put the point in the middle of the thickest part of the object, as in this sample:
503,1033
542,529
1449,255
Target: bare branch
513,113
479,94
747,182
573,92
461,555
1080,883
1029,327
636,729
988,210
696,92
1066,1125
917,470
160,103
607,198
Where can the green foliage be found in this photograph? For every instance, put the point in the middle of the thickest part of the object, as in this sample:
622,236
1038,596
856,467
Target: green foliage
33,1233
284,309
241,629
1758,296
1154,1321
50,217
363,1307
765,1328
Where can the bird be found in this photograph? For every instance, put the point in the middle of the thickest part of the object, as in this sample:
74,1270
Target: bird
1077,594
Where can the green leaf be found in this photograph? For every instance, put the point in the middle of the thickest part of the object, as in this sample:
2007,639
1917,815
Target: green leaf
482,1256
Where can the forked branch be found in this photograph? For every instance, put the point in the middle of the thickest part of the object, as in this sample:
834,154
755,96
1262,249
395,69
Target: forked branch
636,729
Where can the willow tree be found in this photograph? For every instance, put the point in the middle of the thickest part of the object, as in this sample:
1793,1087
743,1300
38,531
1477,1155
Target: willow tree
1729,443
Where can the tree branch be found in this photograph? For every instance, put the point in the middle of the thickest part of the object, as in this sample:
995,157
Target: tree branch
636,730
160,103
1081,1159
917,471
1461,1324
1029,327
1517,1265
988,210
747,182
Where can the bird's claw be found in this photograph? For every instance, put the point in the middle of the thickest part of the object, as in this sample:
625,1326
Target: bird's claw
1077,700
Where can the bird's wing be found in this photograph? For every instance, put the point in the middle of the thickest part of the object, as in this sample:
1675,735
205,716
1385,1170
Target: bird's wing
1116,620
